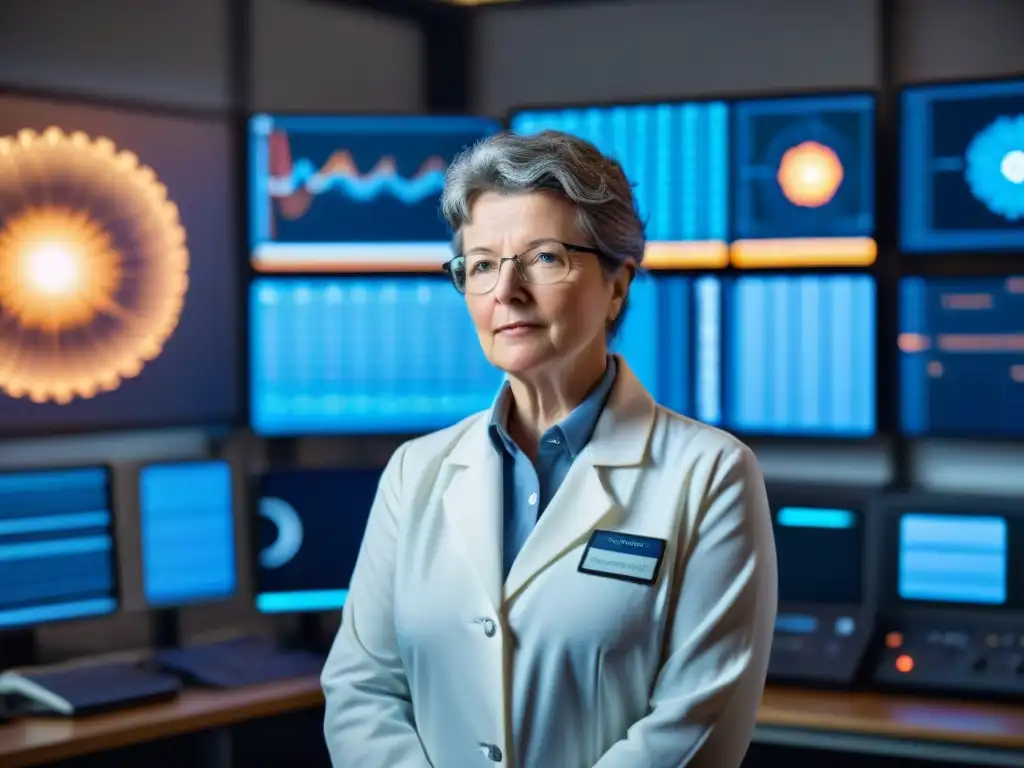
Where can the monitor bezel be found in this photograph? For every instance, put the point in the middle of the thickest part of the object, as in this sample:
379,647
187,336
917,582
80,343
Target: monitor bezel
117,591
236,550
237,222
952,260
891,509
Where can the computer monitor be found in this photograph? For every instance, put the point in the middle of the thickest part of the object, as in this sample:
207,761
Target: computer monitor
362,354
57,548
342,193
799,355
962,168
187,521
803,181
677,156
961,358
309,529
119,275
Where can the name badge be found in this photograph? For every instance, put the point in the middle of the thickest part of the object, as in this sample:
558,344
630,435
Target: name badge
623,556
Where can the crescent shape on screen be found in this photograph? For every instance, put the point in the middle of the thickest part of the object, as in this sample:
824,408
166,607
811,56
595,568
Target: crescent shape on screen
289,532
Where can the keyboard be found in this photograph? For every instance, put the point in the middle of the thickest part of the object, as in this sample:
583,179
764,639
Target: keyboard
237,663
83,690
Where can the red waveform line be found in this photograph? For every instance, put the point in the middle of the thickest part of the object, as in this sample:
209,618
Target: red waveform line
340,163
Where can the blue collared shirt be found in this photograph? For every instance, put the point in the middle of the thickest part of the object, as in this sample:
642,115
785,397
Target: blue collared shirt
529,487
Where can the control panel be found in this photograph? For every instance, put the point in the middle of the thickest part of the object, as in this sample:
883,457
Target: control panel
825,619
821,643
952,596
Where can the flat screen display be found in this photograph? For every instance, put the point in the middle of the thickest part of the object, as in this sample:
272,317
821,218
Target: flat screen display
962,357
363,355
676,155
820,552
310,527
187,518
352,193
800,355
962,168
803,181
118,271
953,558
57,555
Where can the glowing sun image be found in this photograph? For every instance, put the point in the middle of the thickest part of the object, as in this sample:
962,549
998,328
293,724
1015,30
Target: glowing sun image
810,174
93,266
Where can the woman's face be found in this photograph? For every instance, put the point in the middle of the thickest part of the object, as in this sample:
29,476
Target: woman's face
564,321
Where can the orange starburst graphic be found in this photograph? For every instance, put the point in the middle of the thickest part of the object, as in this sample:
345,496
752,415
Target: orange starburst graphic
93,266
810,174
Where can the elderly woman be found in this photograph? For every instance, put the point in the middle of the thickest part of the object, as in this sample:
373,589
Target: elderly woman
578,577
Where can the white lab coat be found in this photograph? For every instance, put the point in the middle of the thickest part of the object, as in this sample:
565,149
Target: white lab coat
438,663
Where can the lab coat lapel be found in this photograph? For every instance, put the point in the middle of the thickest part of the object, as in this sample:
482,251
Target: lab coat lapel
601,480
472,505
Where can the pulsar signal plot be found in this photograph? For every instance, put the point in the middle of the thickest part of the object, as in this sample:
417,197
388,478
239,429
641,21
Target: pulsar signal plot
962,168
350,194
804,182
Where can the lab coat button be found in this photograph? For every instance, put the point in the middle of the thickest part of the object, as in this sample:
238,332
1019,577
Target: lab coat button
491,752
489,629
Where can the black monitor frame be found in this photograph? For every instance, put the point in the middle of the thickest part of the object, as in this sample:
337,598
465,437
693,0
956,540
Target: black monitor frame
18,645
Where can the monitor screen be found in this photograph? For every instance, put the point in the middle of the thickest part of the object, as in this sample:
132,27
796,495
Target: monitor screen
57,556
362,355
962,357
352,193
800,355
310,528
820,552
118,271
187,519
676,155
962,168
952,558
804,181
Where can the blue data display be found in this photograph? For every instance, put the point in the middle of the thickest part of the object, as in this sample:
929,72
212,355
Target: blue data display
655,338
804,167
820,554
962,171
953,559
962,357
310,528
56,546
675,154
800,355
326,191
363,355
188,532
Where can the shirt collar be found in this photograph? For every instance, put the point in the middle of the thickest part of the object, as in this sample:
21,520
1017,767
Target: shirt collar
574,431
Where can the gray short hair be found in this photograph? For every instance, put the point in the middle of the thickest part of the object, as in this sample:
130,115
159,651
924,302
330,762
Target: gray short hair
556,162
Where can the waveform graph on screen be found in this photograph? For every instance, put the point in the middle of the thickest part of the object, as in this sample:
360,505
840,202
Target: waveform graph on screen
803,182
93,265
676,156
351,194
961,347
962,168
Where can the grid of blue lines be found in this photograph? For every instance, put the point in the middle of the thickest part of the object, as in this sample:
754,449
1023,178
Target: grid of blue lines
675,154
953,558
364,355
188,532
56,546
802,358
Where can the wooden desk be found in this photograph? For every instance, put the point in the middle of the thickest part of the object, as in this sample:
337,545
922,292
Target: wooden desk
962,734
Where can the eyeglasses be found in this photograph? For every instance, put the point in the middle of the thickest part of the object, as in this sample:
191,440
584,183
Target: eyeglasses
546,264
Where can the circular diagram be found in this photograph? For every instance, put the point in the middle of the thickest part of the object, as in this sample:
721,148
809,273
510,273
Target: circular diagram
93,266
995,167
810,174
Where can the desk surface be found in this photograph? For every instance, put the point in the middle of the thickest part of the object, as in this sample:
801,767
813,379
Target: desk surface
38,741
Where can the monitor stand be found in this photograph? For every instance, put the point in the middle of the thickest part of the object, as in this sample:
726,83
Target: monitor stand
166,628
18,648
308,635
